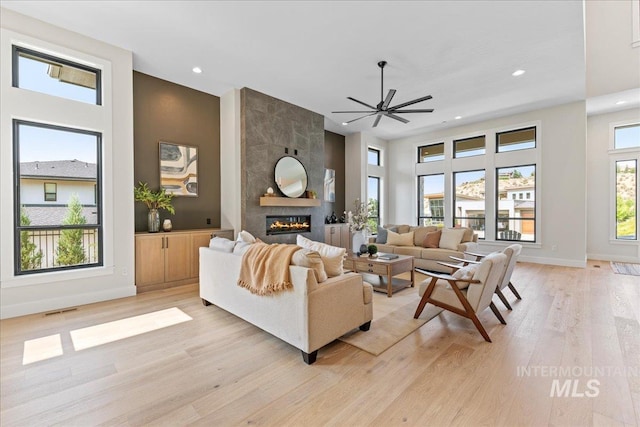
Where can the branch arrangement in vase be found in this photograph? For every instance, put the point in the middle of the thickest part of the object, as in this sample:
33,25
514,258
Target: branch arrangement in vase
158,199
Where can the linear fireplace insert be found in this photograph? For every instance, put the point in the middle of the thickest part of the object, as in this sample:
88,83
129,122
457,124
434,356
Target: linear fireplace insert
285,224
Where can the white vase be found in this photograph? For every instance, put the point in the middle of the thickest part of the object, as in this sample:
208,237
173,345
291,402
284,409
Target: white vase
358,239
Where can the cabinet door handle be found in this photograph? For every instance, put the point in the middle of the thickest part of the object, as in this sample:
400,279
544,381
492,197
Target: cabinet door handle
163,243
167,243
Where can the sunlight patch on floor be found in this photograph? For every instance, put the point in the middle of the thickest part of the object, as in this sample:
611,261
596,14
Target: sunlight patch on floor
42,349
125,328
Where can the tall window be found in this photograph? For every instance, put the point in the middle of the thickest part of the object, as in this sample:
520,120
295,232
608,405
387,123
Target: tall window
469,200
373,203
431,199
66,234
469,147
516,217
625,157
431,153
373,156
626,199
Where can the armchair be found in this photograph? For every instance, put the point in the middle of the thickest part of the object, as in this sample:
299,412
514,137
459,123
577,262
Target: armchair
463,295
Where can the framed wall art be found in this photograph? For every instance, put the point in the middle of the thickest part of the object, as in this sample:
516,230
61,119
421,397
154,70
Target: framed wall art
179,169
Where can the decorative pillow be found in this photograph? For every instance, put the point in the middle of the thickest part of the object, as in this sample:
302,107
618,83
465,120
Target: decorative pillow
468,235
310,259
221,244
403,228
245,236
405,239
432,239
382,235
466,273
451,238
419,233
332,256
241,247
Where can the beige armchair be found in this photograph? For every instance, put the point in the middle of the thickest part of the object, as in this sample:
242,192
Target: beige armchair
468,291
512,252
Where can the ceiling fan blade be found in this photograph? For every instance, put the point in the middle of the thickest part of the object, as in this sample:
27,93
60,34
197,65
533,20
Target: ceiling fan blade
398,118
362,117
429,110
415,101
362,103
387,100
377,120
361,112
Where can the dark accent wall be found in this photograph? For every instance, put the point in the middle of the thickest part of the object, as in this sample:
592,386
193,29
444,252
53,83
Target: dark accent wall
165,111
334,159
268,127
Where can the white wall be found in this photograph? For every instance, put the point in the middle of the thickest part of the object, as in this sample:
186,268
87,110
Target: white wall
561,176
612,63
601,189
230,161
114,119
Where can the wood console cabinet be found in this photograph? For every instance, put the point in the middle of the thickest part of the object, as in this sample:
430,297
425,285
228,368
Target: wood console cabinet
164,260
338,235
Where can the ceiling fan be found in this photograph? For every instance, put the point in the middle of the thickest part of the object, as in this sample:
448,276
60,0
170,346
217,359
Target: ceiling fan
383,109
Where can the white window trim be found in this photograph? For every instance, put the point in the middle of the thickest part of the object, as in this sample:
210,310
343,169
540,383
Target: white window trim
380,173
39,107
616,155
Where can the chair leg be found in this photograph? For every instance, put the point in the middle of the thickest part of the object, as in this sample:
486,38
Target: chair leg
503,299
309,358
479,326
497,313
513,289
425,297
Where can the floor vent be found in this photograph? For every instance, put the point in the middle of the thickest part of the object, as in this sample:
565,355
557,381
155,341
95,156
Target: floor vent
61,311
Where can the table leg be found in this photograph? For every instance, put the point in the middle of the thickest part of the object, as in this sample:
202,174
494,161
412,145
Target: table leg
413,278
389,289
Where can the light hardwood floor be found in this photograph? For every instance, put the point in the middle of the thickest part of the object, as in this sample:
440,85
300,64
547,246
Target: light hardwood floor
217,370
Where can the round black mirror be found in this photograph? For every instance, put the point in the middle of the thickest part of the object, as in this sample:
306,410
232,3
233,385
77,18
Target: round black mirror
291,176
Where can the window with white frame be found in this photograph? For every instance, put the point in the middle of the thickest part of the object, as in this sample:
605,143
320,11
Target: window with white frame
431,208
373,203
63,229
469,200
516,218
625,157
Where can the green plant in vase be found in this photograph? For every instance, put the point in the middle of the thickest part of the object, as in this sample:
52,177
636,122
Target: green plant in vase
154,200
373,250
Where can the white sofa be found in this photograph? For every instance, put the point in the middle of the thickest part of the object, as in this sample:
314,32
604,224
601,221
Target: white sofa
307,317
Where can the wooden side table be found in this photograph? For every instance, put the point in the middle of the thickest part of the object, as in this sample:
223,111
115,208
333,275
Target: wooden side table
380,272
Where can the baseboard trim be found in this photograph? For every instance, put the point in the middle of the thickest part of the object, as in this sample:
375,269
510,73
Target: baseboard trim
49,304
614,258
554,261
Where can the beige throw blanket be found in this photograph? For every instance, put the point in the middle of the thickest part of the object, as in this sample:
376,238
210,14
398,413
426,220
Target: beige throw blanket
265,268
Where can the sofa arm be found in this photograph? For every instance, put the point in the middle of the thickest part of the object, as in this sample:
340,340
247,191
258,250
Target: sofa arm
468,247
336,307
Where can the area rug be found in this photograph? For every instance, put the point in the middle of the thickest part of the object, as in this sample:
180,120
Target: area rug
391,327
625,268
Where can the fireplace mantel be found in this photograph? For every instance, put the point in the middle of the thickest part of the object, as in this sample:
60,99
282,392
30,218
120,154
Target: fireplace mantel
289,202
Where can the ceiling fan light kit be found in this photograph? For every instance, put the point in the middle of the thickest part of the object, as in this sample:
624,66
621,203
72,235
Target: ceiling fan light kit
383,109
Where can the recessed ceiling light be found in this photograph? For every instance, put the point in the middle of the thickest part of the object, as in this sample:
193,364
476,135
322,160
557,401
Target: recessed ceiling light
197,70
621,102
457,117
517,73
344,123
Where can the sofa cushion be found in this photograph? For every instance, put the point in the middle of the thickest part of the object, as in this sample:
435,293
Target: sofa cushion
403,228
468,235
404,239
381,237
332,256
419,234
245,236
383,248
432,239
241,247
439,254
414,251
451,237
310,259
222,244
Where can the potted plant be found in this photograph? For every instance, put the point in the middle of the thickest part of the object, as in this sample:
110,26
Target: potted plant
154,200
373,250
